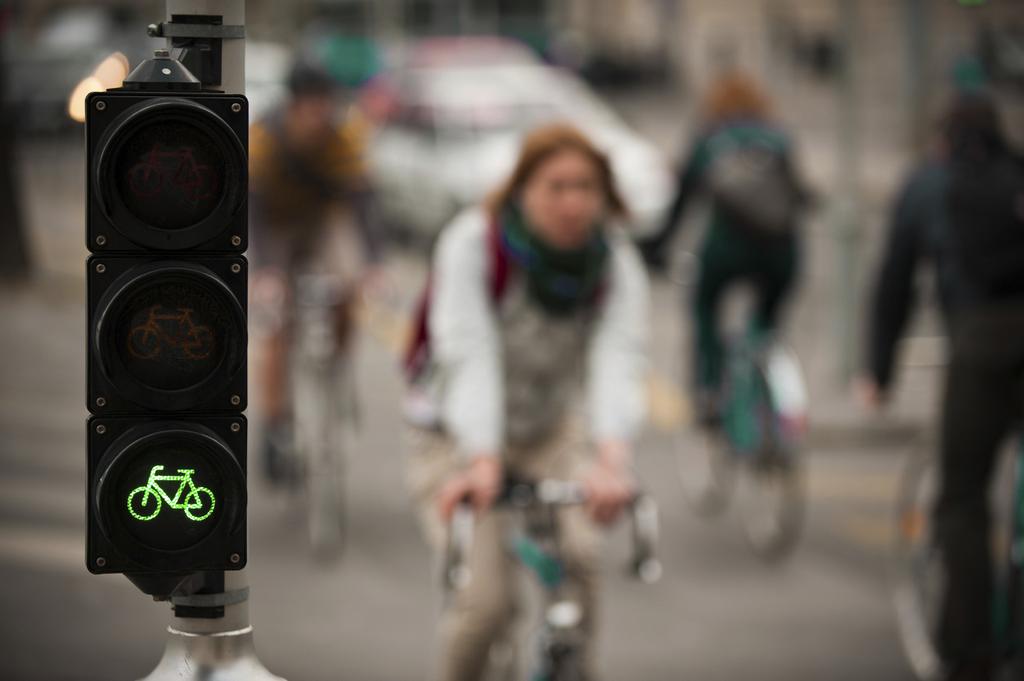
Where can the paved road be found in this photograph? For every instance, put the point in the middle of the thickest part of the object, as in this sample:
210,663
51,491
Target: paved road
717,614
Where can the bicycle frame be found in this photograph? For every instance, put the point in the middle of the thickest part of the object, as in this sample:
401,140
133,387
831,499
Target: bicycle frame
192,499
538,548
763,418
185,479
189,341
187,176
325,408
780,396
770,414
918,570
745,418
558,639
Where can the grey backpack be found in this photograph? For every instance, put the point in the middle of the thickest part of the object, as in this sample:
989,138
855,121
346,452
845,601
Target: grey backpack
753,183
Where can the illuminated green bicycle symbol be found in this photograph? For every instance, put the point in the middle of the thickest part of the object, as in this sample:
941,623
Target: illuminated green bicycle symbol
197,504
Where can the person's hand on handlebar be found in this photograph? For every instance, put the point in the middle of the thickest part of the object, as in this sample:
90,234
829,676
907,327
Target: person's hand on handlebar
609,483
479,484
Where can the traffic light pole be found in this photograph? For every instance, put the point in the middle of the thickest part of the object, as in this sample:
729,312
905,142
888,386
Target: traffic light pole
210,635
226,54
218,647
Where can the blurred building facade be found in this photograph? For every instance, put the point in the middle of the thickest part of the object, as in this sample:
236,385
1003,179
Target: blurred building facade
902,50
903,53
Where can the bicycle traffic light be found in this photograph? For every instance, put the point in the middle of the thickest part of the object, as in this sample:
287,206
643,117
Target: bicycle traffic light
164,494
166,172
167,335
166,223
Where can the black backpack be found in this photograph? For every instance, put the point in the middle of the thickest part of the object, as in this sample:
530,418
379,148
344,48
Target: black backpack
753,184
986,210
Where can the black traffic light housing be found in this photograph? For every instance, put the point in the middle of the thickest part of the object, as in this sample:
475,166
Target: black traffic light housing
146,356
166,223
166,172
166,496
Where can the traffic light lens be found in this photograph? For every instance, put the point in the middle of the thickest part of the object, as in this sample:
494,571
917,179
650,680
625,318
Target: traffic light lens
167,173
170,174
173,335
168,497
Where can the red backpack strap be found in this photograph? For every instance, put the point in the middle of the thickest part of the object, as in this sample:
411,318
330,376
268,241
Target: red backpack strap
498,261
417,352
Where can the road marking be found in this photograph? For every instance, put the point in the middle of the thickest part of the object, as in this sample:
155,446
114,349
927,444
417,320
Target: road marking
874,532
385,323
837,484
667,408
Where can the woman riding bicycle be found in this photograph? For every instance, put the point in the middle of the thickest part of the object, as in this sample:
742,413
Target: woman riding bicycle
531,292
743,161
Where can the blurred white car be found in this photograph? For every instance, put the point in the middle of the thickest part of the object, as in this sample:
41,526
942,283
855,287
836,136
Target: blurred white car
457,124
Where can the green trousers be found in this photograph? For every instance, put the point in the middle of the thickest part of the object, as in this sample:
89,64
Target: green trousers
730,257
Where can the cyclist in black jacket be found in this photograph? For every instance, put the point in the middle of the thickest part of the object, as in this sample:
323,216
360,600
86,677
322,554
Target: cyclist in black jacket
963,210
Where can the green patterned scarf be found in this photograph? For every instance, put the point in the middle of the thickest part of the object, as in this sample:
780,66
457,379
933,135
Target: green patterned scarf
561,281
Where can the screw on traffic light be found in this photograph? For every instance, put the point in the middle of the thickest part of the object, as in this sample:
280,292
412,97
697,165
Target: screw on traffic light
167,290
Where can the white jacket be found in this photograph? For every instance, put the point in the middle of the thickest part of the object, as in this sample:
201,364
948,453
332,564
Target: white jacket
467,348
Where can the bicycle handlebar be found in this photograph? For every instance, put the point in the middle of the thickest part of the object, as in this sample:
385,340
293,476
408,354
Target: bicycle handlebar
520,494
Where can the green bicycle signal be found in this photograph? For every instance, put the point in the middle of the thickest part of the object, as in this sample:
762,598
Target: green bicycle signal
198,502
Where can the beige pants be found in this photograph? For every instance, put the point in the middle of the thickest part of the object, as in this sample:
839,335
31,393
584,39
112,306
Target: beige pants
483,612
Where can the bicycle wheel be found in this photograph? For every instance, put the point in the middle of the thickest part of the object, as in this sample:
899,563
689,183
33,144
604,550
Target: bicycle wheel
1010,619
323,431
199,344
146,508
144,343
773,516
503,657
706,470
146,179
1013,648
1015,643
772,505
567,666
918,577
560,658
199,504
